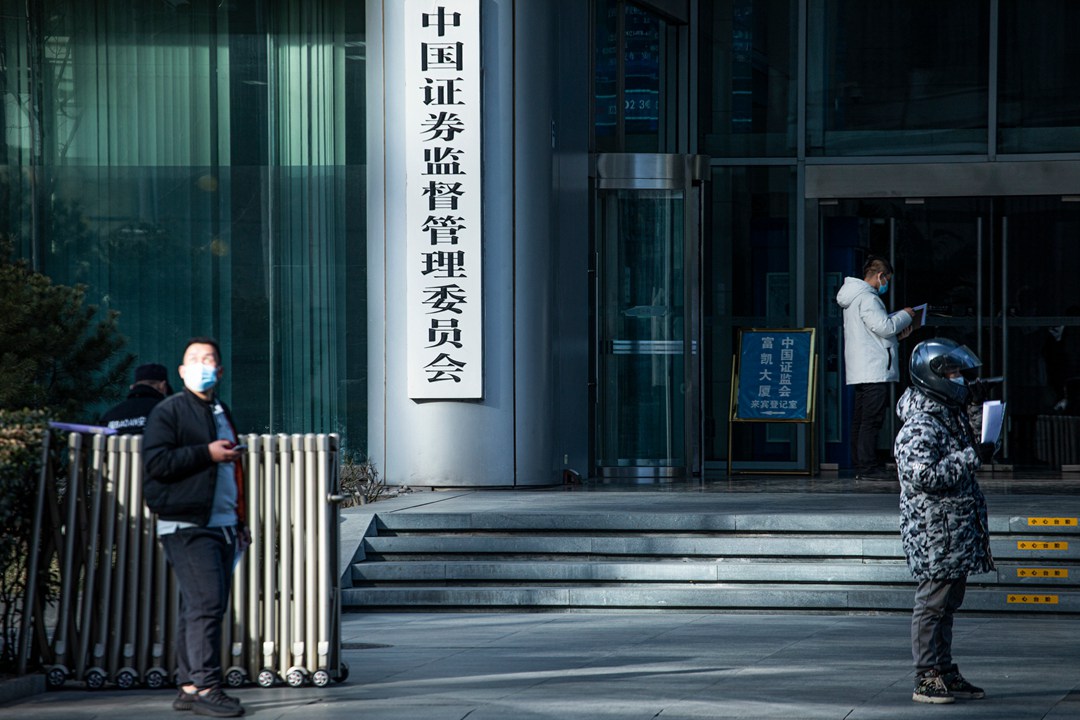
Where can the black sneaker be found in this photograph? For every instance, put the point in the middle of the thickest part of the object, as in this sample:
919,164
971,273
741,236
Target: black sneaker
961,688
216,703
930,688
183,700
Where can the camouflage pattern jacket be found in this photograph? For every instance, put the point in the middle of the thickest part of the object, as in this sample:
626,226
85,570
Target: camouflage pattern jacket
942,509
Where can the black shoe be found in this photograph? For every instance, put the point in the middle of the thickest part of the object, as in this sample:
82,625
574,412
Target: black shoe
930,688
217,704
183,701
961,688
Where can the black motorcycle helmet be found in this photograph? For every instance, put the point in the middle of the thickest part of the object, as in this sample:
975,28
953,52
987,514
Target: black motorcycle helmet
933,360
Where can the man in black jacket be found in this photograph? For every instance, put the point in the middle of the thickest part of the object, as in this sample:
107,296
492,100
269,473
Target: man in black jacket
193,480
151,386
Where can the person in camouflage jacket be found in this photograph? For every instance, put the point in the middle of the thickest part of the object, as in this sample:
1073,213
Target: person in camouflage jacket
943,519
942,508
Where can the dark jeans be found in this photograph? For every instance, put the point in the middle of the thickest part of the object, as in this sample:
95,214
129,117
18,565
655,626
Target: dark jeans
202,559
869,414
936,601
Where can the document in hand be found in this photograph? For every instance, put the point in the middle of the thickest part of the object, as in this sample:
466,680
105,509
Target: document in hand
993,418
921,309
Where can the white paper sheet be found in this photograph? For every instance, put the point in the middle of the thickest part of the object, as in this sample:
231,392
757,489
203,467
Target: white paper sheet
992,420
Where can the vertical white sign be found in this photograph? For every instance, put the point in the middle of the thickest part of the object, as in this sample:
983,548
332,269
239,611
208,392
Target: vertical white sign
443,206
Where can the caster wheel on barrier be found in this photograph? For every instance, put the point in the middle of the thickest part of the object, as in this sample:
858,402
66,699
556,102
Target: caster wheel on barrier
266,678
57,676
95,678
125,679
343,673
155,679
235,677
320,678
296,677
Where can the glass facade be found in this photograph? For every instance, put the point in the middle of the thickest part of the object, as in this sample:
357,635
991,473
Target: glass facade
200,167
642,324
1039,92
897,77
749,281
632,108
883,86
747,87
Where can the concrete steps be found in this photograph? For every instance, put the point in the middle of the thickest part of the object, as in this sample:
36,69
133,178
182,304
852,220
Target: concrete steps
849,562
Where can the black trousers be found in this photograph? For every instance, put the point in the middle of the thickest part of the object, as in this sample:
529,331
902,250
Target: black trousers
871,400
936,601
202,559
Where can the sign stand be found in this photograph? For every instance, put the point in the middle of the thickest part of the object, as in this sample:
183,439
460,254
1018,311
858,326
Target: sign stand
773,378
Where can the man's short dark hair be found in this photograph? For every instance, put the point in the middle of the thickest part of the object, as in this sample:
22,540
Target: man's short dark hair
201,340
876,264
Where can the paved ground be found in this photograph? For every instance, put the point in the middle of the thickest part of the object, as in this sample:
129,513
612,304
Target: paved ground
642,666
662,665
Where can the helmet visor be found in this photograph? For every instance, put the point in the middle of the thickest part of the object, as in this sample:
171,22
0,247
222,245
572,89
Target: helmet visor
959,359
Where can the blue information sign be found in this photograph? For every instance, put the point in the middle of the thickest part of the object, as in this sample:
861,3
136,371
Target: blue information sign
775,371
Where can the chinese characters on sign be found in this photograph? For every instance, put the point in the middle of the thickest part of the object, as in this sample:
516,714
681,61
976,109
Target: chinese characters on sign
774,375
443,204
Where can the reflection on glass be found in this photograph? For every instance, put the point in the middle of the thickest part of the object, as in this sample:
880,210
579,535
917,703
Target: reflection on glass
748,68
896,77
1039,91
642,62
195,162
641,45
642,321
606,75
748,282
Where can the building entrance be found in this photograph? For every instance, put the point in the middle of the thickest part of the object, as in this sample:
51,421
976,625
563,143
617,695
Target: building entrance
648,226
997,275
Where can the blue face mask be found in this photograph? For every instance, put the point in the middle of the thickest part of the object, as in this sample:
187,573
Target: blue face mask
883,288
200,378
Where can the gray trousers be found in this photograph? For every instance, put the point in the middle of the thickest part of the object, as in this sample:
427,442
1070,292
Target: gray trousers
202,559
932,623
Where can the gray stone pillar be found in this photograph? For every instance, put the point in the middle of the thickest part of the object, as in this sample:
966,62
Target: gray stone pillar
512,436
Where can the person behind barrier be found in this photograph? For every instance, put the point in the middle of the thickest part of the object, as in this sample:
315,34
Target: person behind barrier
151,386
942,509
194,482
871,344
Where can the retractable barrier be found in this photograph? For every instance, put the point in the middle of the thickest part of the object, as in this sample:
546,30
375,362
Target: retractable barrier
1057,439
115,618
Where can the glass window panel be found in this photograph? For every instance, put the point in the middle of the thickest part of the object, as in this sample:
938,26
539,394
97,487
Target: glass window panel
642,104
897,77
642,321
1039,87
200,167
644,72
606,75
750,281
747,84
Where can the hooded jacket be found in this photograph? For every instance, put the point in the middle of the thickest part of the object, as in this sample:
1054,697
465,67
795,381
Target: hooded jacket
942,509
870,343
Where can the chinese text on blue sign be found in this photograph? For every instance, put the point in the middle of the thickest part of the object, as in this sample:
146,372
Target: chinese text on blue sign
774,375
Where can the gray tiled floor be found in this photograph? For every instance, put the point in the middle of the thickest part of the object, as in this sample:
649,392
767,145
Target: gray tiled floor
662,665
645,665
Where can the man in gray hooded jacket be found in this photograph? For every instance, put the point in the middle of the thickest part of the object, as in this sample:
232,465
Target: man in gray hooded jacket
871,343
